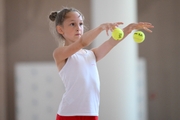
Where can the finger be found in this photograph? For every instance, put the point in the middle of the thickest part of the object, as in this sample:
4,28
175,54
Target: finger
147,23
107,32
144,23
146,29
119,23
111,29
148,26
141,23
113,26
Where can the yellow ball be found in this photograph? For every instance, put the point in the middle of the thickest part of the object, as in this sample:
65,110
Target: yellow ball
117,34
139,36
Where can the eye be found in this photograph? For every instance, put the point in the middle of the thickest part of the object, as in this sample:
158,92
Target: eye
72,24
80,24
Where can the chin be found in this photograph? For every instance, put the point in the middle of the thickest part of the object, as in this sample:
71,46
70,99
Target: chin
77,37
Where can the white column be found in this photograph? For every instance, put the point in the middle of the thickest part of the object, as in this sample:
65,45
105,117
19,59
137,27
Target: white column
118,69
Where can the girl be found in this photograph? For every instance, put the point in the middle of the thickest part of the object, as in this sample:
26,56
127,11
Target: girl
77,66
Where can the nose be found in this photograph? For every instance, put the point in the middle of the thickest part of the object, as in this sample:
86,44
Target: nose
78,27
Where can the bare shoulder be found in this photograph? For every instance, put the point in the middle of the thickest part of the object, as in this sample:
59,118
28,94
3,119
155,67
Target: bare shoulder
57,52
58,58
61,54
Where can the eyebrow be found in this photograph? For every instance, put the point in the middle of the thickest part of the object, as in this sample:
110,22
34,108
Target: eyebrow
75,20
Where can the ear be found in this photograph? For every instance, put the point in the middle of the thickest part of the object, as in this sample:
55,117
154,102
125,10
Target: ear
59,29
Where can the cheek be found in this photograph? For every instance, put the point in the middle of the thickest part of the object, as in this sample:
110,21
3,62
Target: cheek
82,28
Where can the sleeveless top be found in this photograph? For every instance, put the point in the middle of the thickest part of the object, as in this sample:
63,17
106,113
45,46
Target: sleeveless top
82,86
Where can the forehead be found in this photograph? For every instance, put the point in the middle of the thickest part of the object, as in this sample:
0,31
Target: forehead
73,16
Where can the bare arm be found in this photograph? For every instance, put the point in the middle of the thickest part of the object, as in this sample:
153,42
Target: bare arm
62,53
103,49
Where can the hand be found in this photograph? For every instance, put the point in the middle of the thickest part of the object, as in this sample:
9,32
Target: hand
110,26
141,25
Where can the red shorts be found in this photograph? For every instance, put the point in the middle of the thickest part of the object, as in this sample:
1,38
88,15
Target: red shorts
58,117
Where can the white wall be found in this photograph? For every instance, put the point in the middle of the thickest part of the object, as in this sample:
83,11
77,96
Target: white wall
38,90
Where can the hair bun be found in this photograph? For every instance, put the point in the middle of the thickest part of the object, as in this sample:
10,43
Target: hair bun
53,16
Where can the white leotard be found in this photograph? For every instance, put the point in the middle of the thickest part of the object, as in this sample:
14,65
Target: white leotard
82,86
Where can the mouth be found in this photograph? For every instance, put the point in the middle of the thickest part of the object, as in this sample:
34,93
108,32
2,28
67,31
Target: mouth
78,34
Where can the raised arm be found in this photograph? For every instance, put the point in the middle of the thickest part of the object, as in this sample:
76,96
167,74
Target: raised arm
64,52
61,53
103,49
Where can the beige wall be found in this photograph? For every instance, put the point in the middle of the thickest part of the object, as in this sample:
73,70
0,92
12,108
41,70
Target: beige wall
28,39
2,63
28,35
161,50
